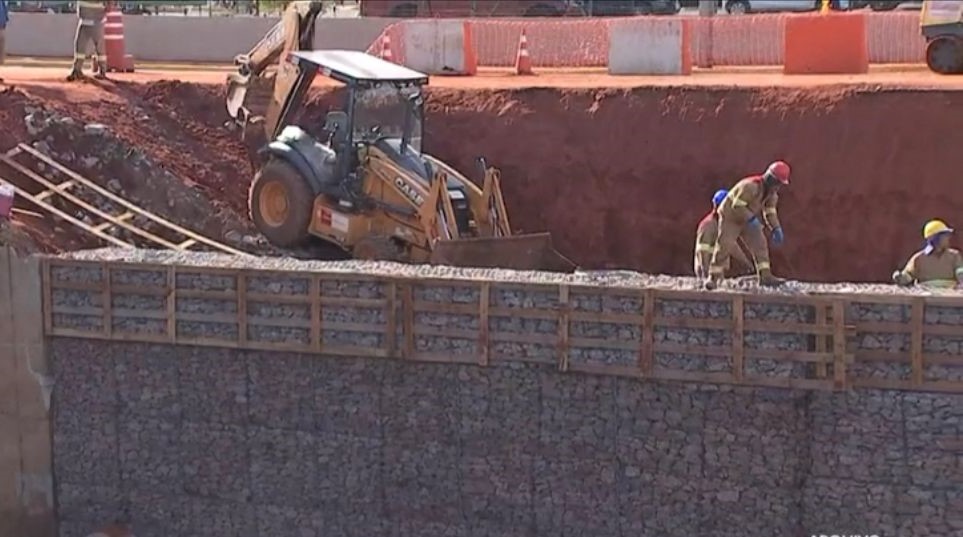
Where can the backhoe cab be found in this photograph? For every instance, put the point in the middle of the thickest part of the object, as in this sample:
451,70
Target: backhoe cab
370,189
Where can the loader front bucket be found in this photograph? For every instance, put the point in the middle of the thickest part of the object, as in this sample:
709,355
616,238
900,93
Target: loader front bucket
520,252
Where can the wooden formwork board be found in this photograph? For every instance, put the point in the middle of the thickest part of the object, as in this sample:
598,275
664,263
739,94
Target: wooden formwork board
49,189
828,357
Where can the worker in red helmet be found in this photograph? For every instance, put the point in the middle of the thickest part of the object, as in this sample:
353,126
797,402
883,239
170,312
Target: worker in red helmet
750,205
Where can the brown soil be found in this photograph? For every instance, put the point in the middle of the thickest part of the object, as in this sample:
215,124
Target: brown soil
622,176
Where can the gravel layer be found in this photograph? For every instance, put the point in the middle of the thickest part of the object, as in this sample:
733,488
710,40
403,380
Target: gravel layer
599,278
206,441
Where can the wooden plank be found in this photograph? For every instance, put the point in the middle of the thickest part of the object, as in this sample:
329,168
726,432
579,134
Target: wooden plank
563,327
821,342
647,346
128,205
70,218
916,340
37,178
738,338
242,321
694,296
693,323
484,345
186,244
109,224
839,345
604,318
531,339
57,190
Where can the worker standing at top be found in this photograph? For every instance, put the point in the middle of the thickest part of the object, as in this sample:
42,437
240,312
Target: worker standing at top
90,31
739,215
706,234
936,265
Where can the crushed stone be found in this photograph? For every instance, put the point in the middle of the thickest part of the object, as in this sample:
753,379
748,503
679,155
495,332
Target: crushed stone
600,278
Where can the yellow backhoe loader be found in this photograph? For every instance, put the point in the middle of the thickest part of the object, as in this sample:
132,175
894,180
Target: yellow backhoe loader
368,188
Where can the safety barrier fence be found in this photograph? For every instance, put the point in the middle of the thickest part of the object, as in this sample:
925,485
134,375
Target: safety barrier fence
806,342
752,40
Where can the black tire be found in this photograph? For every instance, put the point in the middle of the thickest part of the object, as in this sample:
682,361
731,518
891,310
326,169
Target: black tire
287,228
737,6
404,11
944,55
542,10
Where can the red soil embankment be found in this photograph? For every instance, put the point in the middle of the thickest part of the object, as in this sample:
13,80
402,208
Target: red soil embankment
622,176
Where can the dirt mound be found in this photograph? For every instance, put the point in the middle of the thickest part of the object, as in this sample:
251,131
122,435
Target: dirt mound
622,176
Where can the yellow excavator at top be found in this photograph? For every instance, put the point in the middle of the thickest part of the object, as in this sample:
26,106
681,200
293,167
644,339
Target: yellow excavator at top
368,187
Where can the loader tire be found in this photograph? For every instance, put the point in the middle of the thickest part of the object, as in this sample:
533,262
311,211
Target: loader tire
944,55
280,203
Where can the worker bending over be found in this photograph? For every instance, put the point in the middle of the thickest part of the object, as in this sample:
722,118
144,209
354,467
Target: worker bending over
90,31
706,234
739,215
936,265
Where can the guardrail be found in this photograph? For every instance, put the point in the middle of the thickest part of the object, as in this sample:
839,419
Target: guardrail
807,342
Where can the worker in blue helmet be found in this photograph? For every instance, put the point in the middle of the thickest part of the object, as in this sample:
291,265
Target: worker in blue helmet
706,234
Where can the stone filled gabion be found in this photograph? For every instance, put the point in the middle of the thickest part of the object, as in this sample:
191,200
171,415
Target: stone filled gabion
207,441
602,315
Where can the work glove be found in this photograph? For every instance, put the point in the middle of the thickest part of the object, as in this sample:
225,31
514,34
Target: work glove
777,236
754,221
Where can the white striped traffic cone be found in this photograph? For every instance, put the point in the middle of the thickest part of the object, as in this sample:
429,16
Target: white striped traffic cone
523,62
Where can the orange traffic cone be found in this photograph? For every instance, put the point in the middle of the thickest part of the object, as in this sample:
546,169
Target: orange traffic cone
523,62
386,48
118,61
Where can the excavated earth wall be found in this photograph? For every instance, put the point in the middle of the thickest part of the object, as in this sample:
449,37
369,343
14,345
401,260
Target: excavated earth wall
230,438
619,176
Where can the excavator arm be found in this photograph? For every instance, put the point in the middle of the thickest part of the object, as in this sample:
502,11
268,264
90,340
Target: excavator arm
258,100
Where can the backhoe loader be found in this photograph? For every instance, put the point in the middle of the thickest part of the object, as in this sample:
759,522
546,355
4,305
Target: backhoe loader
368,188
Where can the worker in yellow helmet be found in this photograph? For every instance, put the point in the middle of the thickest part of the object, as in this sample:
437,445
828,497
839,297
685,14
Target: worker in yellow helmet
936,265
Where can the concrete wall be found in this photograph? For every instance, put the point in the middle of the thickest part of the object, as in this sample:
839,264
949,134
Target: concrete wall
205,441
26,486
188,39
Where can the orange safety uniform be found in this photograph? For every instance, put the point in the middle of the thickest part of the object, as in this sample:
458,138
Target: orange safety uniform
749,198
707,232
941,270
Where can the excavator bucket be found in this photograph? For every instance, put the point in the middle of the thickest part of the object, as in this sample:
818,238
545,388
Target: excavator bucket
519,252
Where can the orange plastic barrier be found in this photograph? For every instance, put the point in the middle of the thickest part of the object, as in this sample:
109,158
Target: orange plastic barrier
826,44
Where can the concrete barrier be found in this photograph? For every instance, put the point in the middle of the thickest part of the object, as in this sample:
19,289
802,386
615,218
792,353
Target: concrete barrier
26,483
649,46
439,47
176,39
